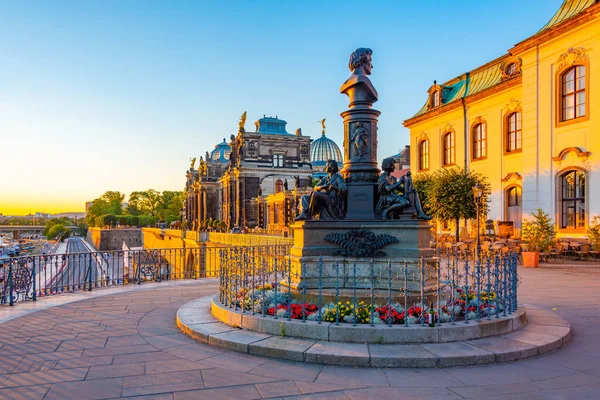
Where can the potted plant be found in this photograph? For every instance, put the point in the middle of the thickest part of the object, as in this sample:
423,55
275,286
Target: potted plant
594,232
538,232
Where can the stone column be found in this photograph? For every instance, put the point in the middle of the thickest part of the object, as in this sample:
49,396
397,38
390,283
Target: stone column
360,161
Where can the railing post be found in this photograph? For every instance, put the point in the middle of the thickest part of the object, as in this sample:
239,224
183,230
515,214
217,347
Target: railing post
372,307
10,285
89,273
478,272
405,293
33,279
354,293
422,265
466,291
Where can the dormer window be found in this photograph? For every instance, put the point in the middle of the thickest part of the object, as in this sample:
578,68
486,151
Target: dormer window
511,67
435,101
435,95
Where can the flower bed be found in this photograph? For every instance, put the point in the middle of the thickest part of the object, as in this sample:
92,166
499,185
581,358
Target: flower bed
459,306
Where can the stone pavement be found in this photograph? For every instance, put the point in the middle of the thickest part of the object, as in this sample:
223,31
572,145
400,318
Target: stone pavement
126,344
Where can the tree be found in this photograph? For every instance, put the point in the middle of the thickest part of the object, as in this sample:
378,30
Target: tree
55,221
82,229
171,203
59,231
449,195
147,201
115,201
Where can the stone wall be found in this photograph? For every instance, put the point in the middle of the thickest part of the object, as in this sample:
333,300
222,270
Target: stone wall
112,239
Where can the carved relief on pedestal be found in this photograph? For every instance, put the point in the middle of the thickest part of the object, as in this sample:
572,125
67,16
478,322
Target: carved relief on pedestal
359,141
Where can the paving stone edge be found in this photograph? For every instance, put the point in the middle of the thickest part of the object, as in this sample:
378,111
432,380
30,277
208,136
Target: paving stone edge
195,319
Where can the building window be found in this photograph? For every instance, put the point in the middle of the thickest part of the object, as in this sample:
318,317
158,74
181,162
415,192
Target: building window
572,200
514,202
479,141
513,132
448,140
278,186
424,155
435,99
511,69
573,93
278,160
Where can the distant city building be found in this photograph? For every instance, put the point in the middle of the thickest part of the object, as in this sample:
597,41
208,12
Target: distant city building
321,150
256,178
88,204
401,162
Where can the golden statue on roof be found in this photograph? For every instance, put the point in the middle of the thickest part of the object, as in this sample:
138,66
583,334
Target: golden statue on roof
322,122
242,123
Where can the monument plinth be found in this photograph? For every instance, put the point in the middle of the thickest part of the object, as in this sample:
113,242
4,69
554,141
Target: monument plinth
359,215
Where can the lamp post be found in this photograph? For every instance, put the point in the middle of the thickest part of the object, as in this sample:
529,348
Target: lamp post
477,195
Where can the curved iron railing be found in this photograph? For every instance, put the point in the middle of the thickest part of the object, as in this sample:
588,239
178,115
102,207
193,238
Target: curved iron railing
451,289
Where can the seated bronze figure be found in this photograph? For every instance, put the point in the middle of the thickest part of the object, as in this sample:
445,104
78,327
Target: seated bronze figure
328,198
396,195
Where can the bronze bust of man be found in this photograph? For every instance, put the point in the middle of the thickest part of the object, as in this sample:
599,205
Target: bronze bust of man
358,86
328,198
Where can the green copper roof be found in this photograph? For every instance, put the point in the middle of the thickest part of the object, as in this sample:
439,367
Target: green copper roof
568,9
469,84
484,78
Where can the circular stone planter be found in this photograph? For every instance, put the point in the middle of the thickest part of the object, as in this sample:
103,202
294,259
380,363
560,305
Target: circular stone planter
365,333
544,332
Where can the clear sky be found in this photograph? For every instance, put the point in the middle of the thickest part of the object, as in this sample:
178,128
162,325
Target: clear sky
119,95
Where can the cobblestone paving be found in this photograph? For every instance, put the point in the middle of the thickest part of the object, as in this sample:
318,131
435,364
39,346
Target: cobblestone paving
127,345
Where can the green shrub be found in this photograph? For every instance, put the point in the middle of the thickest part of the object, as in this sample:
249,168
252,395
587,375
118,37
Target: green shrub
594,232
538,232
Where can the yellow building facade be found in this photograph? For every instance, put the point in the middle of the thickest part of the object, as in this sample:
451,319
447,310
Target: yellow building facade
528,120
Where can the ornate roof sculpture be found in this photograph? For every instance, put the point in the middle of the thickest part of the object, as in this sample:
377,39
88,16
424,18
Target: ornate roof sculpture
323,149
221,152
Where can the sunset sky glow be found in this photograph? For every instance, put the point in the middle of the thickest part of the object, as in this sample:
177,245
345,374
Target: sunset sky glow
119,95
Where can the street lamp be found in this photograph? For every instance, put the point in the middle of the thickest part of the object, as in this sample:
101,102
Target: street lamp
477,195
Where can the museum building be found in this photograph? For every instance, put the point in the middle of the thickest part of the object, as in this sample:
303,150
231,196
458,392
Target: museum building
256,179
527,120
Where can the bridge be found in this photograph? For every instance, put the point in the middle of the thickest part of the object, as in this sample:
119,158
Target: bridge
17,229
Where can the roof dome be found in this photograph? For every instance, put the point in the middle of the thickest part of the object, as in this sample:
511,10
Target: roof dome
221,152
323,149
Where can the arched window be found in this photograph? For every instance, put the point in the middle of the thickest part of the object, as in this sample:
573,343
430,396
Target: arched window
424,155
572,200
449,148
514,202
572,93
479,141
513,132
278,186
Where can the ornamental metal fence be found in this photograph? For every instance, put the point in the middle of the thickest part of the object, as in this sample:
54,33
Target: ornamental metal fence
34,276
436,291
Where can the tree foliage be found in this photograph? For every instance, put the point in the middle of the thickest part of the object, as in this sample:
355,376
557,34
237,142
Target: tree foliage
538,232
447,194
58,231
148,207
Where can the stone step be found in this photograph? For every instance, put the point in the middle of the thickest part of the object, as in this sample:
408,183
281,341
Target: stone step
545,332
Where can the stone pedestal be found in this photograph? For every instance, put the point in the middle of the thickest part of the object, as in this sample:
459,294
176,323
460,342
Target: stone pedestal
314,258
360,166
